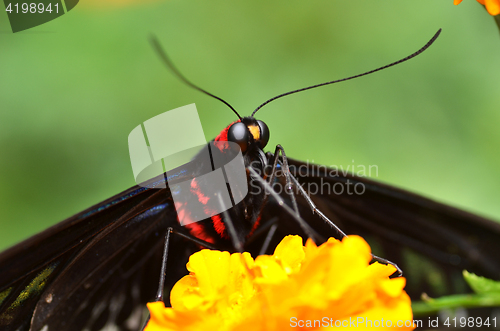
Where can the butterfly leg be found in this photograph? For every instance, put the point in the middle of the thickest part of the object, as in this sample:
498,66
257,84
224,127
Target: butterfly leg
237,243
163,274
269,236
289,179
303,224
269,176
314,208
268,228
385,261
333,225
288,186
170,230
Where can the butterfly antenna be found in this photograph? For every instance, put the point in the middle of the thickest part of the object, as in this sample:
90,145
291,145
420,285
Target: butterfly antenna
163,55
352,77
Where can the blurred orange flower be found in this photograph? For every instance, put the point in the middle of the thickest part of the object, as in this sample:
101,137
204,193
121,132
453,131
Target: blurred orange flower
492,6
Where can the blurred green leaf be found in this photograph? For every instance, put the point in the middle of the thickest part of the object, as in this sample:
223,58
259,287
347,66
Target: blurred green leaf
487,294
430,305
482,285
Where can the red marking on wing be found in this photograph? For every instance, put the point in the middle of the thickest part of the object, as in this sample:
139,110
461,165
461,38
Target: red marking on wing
254,227
195,228
183,214
198,230
219,226
195,189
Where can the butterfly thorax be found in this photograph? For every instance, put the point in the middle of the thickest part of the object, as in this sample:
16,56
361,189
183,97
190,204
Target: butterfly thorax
251,136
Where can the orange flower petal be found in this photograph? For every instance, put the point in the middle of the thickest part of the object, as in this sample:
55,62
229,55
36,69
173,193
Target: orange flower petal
393,287
290,253
234,292
493,7
159,317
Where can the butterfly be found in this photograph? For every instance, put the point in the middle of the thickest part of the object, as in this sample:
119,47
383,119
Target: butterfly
97,269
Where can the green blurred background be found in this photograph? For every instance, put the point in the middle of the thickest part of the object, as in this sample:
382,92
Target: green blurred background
71,91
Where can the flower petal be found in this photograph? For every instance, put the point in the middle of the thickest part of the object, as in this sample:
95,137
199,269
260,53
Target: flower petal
290,253
493,7
234,292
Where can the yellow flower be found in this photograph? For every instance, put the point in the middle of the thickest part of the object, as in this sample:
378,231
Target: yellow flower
492,6
308,287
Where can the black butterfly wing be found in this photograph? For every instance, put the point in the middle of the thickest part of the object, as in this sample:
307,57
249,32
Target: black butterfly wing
430,241
99,267
92,269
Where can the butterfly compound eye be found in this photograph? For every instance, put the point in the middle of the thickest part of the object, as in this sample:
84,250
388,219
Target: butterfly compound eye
238,133
264,133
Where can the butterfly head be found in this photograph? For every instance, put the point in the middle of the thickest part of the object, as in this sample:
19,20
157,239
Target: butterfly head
248,133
